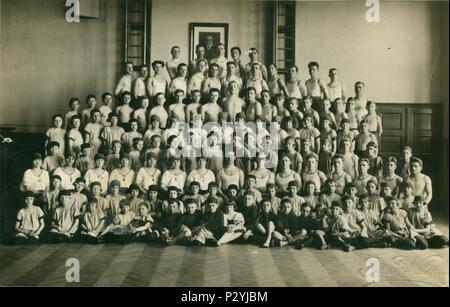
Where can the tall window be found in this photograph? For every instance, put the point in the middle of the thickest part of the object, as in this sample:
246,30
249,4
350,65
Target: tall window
137,31
284,35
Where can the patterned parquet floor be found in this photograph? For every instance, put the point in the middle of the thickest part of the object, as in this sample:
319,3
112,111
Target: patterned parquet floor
229,265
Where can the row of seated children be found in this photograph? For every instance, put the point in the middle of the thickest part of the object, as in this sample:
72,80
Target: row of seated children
379,224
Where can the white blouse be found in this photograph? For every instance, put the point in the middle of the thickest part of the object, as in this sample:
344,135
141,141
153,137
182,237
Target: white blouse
92,176
67,180
37,183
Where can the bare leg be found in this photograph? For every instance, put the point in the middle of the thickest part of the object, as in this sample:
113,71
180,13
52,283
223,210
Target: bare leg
270,230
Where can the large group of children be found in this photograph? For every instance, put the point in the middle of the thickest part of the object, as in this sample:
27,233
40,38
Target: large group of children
128,174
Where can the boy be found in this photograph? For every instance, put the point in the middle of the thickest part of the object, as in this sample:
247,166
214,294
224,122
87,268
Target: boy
401,232
256,81
86,115
391,179
142,224
200,52
328,133
286,227
65,220
420,218
192,110
193,195
250,212
330,195
403,164
197,79
136,154
127,137
346,133
363,176
92,132
125,110
141,114
406,201
55,159
139,88
421,183
233,224
180,81
231,77
85,161
308,110
266,222
154,204
293,155
364,138
311,133
320,229
240,68
326,156
124,84
275,201
174,62
376,202
157,83
340,233
305,224
211,226
210,111
170,225
253,107
375,162
250,185
340,177
294,112
192,219
253,54
316,89
232,103
360,99
177,109
159,110
105,109
29,222
296,200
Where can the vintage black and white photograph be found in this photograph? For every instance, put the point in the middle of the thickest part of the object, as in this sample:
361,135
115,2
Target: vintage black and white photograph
224,143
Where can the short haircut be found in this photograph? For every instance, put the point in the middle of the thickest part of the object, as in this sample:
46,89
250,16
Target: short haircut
406,147
106,94
212,90
214,65
72,100
157,62
89,97
173,48
313,64
332,69
231,63
417,160
93,111
254,49
57,115
392,159
180,66
238,50
179,90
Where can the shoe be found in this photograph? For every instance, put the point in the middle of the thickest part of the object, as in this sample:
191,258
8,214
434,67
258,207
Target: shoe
349,248
323,247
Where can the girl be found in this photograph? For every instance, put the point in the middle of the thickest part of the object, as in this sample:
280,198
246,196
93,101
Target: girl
98,174
74,105
56,133
74,137
111,133
148,174
202,175
68,173
124,174
114,199
120,230
92,223
173,176
157,83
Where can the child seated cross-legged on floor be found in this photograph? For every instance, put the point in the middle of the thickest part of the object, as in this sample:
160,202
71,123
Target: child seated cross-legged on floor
340,234
29,222
65,219
170,225
92,223
306,225
142,224
233,224
319,231
211,225
266,223
286,228
120,230
192,219
421,220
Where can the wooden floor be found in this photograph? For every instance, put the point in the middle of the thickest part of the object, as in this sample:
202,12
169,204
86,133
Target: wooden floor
229,265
